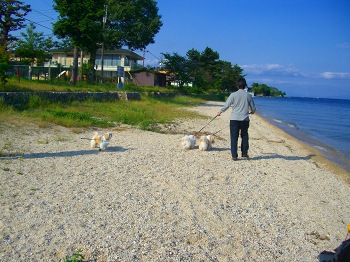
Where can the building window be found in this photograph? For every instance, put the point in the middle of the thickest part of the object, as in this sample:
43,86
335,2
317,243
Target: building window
109,60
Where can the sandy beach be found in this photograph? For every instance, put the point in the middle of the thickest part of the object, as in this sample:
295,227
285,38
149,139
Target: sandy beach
147,199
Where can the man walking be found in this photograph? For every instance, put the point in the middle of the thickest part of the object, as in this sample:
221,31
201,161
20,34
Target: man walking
241,101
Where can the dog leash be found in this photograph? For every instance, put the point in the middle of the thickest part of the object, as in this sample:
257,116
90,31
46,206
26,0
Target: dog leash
221,128
219,131
224,128
86,138
208,123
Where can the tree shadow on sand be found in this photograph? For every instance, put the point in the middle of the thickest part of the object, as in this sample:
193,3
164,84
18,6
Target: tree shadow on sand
219,149
68,153
211,105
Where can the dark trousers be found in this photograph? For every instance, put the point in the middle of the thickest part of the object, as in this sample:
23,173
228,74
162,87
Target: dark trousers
236,128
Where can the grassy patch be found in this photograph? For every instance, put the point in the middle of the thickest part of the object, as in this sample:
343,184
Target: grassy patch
77,257
143,113
7,149
26,85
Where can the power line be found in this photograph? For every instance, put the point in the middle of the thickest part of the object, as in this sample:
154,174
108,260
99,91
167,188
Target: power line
43,21
21,36
42,11
152,54
46,2
37,23
43,14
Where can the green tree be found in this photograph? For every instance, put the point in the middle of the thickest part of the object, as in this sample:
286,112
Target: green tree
194,64
12,15
265,90
34,47
205,66
210,72
81,22
5,63
12,18
132,23
260,89
177,67
227,76
204,70
65,44
275,92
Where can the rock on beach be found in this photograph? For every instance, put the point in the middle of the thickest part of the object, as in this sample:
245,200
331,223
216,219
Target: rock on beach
147,199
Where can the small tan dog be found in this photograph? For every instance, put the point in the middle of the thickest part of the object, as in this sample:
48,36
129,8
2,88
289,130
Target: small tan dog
206,142
100,141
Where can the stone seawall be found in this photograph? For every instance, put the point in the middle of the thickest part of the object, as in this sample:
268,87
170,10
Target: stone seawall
162,94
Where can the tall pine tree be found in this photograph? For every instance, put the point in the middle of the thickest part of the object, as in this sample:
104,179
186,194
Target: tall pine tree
12,18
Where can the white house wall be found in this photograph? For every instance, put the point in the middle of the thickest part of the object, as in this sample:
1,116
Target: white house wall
109,65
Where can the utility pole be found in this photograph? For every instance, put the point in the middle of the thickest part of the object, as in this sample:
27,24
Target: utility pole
81,65
143,60
103,43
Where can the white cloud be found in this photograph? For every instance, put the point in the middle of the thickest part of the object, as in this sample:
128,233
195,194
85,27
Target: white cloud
272,70
335,75
268,81
281,71
344,45
152,62
295,82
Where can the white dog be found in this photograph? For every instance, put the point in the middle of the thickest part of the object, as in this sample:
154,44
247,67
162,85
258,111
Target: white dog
100,141
188,142
206,142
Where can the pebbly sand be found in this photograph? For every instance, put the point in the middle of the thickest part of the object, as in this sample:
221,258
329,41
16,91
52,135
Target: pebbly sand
147,199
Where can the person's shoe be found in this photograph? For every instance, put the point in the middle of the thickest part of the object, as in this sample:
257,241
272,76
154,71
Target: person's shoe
234,158
247,156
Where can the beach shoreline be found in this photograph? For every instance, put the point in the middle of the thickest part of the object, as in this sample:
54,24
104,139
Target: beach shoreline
337,159
147,199
310,121
319,155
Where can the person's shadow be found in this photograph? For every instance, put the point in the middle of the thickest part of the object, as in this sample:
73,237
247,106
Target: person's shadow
269,155
289,158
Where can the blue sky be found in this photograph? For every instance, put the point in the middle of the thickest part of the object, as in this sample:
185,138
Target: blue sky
302,47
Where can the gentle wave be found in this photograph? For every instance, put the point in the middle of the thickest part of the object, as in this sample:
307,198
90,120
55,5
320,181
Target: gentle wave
321,148
291,125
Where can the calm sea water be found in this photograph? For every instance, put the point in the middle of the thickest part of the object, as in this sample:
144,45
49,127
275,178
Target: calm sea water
319,122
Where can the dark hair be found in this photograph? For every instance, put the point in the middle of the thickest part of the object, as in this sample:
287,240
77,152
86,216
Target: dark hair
241,83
